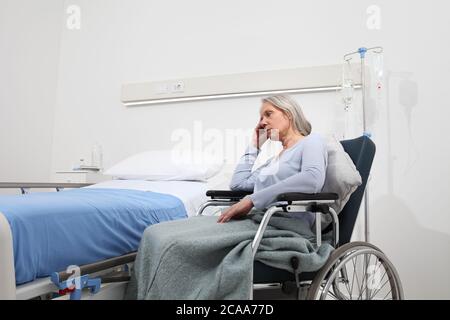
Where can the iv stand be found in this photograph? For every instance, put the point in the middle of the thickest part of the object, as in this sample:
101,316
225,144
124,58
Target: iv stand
362,54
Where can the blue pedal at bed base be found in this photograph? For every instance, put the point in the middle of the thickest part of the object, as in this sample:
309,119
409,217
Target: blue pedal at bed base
74,285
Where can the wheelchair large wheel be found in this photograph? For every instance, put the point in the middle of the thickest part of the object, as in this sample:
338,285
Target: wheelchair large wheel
356,271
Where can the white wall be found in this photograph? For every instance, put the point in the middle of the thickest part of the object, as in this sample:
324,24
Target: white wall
29,53
137,40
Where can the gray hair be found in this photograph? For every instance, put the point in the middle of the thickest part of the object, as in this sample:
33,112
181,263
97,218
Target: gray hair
291,107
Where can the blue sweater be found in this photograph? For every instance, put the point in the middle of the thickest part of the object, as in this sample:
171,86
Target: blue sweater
300,168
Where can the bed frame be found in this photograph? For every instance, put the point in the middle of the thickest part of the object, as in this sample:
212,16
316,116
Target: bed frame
106,279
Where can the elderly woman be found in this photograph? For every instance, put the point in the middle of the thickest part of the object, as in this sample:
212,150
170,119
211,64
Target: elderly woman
199,258
300,166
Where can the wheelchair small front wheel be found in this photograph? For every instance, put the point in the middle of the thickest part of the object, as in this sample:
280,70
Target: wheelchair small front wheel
357,271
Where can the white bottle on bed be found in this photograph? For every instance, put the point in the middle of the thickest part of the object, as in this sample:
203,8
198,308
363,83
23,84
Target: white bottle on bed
97,156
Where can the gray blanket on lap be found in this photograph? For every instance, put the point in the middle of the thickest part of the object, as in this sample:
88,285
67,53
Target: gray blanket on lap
198,258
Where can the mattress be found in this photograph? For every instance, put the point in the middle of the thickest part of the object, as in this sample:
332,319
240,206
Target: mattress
52,230
191,193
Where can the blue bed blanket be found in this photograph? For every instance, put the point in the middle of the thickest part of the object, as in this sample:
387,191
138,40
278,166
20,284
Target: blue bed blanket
53,230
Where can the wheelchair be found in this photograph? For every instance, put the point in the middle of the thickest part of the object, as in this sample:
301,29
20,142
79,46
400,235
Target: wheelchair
354,270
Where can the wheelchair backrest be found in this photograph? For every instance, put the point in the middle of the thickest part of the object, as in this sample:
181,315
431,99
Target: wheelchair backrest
362,152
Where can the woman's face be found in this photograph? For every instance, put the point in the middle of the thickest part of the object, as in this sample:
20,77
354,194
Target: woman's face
274,120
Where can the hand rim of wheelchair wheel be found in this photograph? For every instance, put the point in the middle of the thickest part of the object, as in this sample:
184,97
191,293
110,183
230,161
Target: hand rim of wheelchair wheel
366,289
328,275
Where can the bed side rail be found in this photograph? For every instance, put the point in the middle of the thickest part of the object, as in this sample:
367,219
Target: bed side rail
26,186
101,265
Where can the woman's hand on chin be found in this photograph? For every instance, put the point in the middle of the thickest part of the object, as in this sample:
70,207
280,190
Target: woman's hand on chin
260,135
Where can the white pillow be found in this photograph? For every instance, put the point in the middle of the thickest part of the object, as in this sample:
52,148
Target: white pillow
167,165
341,176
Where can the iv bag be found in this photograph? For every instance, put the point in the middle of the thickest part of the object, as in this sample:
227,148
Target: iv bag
347,92
378,66
378,74
347,84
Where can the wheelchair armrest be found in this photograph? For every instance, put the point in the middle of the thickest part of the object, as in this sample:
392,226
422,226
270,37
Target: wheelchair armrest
297,196
227,194
221,198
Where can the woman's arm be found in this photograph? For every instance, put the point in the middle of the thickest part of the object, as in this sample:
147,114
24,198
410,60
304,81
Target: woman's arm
310,179
243,177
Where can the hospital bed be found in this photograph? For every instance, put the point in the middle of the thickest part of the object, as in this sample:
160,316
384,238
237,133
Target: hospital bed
100,260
